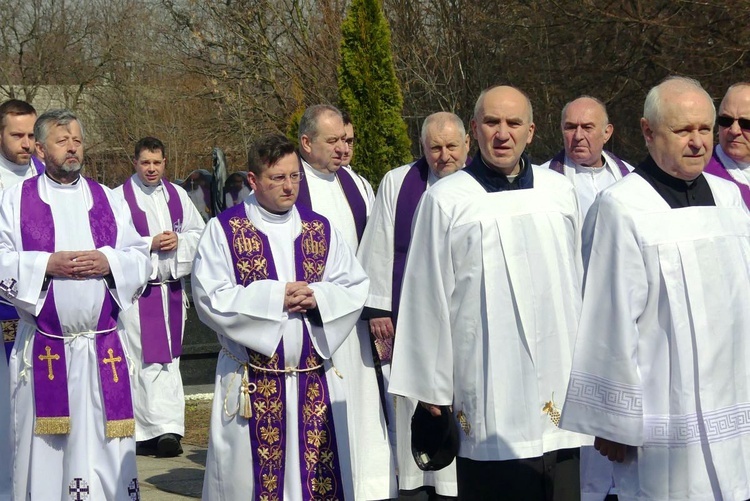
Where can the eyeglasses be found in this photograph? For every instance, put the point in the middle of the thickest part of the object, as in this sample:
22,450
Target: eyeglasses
725,121
350,140
279,179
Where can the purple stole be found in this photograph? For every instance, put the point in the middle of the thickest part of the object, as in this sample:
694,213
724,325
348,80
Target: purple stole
319,469
716,168
8,313
49,364
558,162
414,185
154,339
351,192
38,165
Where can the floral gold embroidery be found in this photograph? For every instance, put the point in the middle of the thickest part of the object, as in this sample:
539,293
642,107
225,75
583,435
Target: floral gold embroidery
464,423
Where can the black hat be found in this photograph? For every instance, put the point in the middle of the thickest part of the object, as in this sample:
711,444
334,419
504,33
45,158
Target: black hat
434,439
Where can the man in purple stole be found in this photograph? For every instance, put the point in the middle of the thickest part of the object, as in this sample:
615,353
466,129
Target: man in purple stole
383,255
282,290
584,161
16,164
70,260
345,198
167,220
731,158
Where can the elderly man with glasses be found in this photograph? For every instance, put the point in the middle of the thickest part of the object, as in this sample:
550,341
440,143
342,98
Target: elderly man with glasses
731,158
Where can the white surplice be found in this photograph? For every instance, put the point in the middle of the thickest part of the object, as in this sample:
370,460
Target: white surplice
376,255
589,181
662,359
372,459
46,466
158,396
10,174
493,284
254,317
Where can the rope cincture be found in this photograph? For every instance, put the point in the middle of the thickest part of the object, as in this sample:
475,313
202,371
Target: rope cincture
247,388
65,337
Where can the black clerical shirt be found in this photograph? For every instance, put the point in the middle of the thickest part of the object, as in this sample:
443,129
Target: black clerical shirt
493,181
676,192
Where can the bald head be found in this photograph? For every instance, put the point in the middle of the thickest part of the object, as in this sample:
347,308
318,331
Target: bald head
677,124
445,143
734,112
586,129
503,126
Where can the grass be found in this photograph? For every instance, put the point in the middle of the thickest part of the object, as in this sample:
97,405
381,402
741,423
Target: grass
197,417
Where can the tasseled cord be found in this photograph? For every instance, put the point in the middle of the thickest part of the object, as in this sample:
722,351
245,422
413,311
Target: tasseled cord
246,405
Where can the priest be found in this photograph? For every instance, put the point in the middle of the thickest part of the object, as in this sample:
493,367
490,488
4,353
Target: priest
345,198
661,368
282,290
170,224
731,157
383,254
70,260
583,160
17,162
492,282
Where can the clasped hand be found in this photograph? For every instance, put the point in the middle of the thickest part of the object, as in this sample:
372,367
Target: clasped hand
299,298
78,265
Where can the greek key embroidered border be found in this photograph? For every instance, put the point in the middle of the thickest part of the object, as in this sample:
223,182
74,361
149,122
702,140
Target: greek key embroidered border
721,424
595,391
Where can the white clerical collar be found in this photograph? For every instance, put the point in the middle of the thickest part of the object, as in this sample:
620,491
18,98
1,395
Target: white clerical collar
266,215
14,167
608,165
325,176
148,190
57,185
728,162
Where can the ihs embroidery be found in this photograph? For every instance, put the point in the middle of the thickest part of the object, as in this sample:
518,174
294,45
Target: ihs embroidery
552,411
463,422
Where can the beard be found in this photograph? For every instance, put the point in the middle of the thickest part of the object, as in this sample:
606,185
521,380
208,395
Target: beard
72,167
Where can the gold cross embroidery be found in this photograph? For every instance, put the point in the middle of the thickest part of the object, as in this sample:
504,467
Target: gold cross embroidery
112,360
49,358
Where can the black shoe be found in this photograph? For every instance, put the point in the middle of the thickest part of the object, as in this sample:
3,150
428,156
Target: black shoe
146,447
168,446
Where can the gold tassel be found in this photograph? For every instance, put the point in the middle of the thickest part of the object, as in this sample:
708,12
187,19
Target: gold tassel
246,406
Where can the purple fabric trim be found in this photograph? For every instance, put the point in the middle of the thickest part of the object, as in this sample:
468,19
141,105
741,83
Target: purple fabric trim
320,470
353,197
38,165
49,364
412,189
716,168
558,161
356,201
50,374
8,312
154,338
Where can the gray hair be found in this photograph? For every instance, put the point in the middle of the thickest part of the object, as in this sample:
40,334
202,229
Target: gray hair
308,124
54,117
440,120
480,100
585,96
652,111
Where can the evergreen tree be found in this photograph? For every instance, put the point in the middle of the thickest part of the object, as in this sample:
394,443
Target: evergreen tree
370,92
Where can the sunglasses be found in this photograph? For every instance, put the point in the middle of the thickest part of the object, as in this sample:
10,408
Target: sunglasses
725,121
